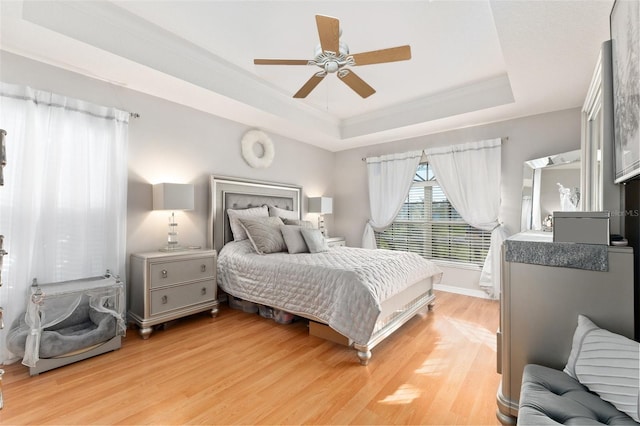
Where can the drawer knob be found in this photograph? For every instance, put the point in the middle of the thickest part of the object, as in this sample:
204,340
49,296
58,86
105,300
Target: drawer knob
164,273
203,268
203,291
165,299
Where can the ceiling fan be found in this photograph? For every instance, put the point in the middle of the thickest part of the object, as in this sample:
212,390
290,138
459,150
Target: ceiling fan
332,56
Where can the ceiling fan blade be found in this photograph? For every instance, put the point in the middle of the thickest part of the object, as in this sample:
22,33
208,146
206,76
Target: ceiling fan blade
329,32
393,54
281,62
309,86
357,84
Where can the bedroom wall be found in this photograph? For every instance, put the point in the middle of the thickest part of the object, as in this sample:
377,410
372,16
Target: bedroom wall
529,137
173,143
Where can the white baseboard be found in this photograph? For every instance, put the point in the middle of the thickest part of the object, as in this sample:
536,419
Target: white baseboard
461,290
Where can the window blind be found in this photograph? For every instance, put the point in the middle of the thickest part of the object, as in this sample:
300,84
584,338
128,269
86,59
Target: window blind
428,225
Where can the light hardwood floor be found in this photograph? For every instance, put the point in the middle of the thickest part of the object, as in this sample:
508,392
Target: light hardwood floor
243,369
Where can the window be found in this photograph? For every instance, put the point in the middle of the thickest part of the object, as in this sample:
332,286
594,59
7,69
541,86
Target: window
429,226
63,207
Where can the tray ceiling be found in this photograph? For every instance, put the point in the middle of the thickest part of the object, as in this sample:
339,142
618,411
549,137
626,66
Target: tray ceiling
473,62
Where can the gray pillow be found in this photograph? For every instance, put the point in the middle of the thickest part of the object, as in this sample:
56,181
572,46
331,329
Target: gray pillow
264,234
293,239
237,230
282,213
303,223
315,240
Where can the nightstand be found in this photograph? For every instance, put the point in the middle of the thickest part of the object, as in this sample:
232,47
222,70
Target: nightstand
336,242
169,285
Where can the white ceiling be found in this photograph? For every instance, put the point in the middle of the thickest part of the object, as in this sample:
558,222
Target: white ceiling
472,62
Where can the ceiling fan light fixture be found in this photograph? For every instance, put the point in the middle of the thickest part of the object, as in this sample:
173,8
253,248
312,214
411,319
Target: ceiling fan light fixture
331,66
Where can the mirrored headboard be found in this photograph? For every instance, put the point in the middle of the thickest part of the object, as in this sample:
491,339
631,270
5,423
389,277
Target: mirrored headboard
541,180
233,193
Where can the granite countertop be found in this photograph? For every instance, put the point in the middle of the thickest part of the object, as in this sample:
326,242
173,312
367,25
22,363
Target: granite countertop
538,248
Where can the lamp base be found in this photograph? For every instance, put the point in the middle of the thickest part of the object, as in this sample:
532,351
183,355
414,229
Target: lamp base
321,226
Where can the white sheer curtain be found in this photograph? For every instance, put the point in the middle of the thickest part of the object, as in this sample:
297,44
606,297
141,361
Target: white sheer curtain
63,204
390,177
469,175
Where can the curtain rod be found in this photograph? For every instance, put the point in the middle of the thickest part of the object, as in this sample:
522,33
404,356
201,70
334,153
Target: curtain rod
504,139
134,115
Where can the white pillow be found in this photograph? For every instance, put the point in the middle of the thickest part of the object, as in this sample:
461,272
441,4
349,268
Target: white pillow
315,240
608,364
293,239
237,230
282,213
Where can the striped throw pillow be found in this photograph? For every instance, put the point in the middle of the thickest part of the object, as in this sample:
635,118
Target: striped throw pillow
607,364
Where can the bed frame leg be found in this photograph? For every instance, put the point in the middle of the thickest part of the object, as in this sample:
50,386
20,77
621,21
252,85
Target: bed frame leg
364,356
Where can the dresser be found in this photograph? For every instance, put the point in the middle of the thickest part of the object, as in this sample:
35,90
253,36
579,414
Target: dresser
168,285
539,307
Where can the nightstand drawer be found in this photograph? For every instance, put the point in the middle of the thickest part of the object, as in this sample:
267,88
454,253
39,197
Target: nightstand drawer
173,272
167,299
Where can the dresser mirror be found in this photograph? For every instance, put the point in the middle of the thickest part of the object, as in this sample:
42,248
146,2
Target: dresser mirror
549,184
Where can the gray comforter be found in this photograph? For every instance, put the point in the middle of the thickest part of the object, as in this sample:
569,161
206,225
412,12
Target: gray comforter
342,287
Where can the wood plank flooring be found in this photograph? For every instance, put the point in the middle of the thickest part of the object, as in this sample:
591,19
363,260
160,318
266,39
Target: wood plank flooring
240,368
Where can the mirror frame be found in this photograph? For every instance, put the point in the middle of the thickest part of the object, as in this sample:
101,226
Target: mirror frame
592,142
600,192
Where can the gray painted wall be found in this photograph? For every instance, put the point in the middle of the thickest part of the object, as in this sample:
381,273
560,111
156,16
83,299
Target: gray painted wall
173,143
529,137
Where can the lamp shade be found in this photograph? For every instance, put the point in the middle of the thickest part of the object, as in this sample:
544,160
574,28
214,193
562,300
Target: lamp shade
173,196
322,205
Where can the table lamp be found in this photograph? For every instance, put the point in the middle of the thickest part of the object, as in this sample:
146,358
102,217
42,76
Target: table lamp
173,196
321,205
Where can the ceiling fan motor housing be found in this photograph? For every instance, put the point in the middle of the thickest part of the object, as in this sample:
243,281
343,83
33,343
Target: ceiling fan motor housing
331,62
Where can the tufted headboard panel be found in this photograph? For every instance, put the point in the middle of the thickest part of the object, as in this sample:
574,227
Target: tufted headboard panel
232,193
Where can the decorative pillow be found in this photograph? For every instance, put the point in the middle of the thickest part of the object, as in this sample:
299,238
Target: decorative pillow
293,239
282,213
315,240
608,364
264,234
236,228
303,223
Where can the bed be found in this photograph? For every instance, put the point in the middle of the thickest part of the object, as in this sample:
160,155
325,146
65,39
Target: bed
364,295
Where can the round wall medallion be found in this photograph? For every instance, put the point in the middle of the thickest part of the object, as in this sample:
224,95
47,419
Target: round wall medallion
249,154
